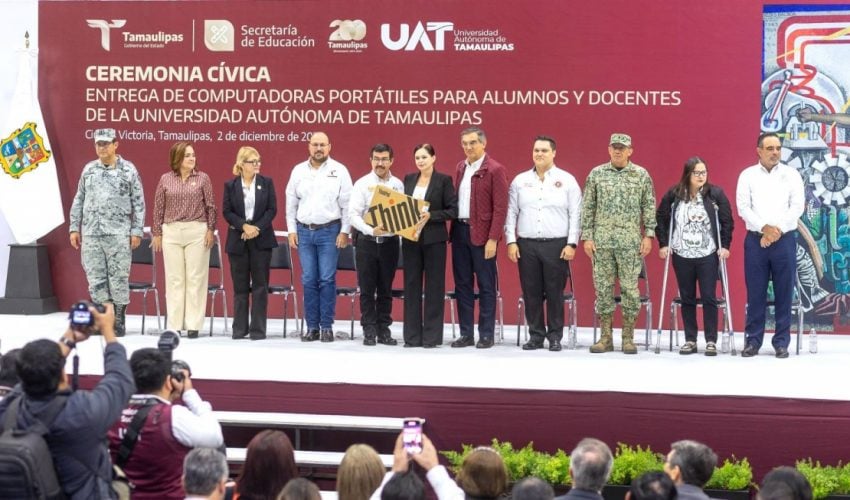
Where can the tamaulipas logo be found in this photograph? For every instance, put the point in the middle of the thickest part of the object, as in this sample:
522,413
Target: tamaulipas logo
22,151
104,27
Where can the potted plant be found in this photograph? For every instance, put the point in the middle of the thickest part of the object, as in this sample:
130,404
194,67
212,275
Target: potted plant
630,462
827,481
732,480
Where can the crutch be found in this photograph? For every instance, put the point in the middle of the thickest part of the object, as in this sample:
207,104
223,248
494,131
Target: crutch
724,276
664,285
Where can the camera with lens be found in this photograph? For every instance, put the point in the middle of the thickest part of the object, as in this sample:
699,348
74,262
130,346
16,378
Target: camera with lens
81,319
168,341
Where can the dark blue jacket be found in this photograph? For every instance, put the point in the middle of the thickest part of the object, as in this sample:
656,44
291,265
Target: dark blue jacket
77,438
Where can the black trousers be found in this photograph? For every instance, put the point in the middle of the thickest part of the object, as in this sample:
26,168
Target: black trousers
376,265
424,263
704,270
542,276
250,274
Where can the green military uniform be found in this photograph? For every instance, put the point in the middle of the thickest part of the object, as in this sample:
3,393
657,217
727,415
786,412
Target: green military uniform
108,208
616,204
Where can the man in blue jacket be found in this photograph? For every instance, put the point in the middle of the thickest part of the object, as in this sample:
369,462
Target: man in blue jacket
77,437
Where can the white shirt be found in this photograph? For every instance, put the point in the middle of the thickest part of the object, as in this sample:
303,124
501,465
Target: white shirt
438,477
464,191
692,238
361,197
775,198
248,194
550,208
193,425
318,195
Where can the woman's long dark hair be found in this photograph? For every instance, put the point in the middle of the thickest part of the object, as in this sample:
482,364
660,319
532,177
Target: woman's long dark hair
682,191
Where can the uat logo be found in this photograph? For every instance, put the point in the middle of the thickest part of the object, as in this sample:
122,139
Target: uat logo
430,37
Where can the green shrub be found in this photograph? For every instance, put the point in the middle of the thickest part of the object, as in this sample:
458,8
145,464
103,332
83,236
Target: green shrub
826,479
521,463
631,462
733,475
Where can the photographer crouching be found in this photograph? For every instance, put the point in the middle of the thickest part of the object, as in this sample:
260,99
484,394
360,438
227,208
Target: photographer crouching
76,421
153,435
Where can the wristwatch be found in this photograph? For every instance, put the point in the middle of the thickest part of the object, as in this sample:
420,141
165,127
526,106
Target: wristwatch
572,245
70,344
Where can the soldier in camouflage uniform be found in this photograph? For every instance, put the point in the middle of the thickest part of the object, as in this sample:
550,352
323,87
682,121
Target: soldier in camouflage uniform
618,200
109,212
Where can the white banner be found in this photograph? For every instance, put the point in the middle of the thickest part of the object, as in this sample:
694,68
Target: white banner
29,188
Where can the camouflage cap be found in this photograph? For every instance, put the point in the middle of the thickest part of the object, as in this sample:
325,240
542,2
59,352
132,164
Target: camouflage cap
104,134
624,139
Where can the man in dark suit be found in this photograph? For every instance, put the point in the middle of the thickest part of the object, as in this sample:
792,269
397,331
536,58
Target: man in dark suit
249,208
482,191
590,468
690,465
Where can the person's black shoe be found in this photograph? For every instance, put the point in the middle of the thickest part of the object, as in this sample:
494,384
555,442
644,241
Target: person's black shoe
749,351
554,346
781,352
369,341
387,340
258,336
410,345
192,334
484,344
429,346
531,345
327,335
237,336
463,342
310,336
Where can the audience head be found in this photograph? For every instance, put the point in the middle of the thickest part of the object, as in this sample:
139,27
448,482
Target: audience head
483,474
654,485
204,472
41,367
404,486
269,465
532,488
590,464
360,473
8,368
300,488
151,368
690,462
785,483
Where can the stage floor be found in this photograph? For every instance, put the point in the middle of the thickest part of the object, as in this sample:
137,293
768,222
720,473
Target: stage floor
278,359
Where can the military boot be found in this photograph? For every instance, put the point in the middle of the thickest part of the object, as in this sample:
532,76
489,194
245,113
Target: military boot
120,320
629,346
606,342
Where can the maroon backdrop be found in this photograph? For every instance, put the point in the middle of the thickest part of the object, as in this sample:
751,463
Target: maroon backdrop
683,78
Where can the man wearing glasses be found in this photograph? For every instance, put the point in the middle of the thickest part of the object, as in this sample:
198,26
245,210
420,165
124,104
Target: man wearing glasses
770,199
317,198
106,221
482,192
377,250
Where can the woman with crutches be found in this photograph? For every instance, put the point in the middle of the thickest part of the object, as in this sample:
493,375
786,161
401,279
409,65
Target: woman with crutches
693,239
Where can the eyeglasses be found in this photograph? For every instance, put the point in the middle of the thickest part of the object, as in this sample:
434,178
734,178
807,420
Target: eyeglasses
382,160
699,173
253,162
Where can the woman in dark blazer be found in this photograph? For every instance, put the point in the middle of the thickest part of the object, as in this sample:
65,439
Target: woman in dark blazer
690,212
249,208
426,259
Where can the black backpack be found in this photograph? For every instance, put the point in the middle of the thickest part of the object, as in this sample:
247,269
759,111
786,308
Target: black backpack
26,465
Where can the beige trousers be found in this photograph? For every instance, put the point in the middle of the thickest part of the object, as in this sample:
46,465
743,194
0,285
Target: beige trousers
187,275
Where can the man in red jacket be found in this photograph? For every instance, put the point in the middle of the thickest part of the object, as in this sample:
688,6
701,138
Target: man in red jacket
482,188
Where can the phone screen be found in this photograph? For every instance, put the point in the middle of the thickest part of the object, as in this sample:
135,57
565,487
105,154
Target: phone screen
412,436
